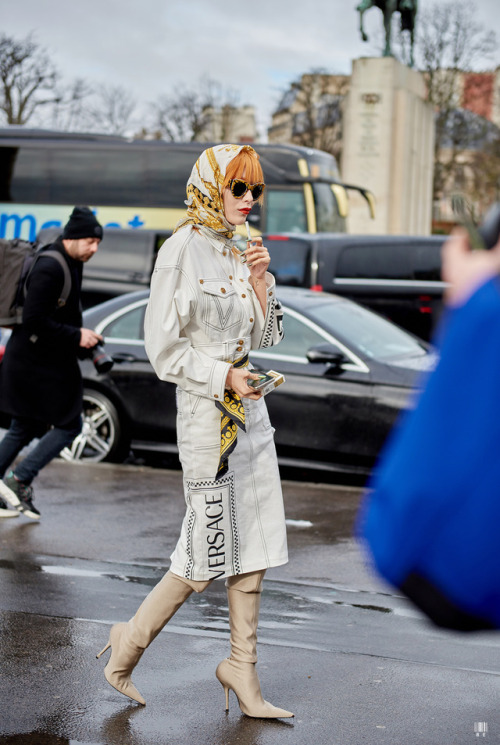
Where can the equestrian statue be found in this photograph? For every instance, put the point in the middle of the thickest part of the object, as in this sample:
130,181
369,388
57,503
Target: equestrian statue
407,10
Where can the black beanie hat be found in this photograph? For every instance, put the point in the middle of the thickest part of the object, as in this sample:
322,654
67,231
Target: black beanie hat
82,223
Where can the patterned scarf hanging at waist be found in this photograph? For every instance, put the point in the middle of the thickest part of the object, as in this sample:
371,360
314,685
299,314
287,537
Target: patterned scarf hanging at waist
232,416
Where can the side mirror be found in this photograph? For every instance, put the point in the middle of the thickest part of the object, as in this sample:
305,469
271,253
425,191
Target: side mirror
327,354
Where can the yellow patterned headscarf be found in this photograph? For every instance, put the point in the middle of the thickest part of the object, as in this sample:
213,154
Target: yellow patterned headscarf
204,197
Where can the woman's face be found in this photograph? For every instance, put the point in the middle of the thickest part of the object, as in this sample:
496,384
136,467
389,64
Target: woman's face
236,211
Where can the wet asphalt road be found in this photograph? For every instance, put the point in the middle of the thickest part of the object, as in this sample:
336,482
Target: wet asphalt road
353,660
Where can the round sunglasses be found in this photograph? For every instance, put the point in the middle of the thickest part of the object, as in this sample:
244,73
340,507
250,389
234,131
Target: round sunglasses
239,188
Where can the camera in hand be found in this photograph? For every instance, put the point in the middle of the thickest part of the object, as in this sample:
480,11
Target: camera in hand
102,361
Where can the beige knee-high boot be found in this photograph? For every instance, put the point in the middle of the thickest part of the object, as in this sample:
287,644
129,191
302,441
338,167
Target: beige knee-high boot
129,640
238,672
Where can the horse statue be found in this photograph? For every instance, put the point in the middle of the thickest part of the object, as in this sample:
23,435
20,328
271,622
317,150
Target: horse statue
407,10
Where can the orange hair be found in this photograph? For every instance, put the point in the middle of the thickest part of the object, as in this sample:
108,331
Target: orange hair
246,162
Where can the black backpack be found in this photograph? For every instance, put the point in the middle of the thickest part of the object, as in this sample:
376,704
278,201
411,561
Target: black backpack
17,259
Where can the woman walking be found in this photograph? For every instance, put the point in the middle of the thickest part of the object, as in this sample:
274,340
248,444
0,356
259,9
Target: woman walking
208,307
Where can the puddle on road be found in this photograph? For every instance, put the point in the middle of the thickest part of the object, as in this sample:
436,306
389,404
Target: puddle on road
298,523
72,572
370,607
295,604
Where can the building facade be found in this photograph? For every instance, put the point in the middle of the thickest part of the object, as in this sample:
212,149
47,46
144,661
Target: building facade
467,155
229,124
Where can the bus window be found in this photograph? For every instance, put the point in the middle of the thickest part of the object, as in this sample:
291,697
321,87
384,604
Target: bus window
279,159
30,176
167,176
328,219
285,211
323,165
7,160
107,177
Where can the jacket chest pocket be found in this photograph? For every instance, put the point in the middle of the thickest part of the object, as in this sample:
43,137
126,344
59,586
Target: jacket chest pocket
222,308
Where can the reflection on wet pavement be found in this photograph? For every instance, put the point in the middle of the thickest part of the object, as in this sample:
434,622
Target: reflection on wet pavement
352,658
285,599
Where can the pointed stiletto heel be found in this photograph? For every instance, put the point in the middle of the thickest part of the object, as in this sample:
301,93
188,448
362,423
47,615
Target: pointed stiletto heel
242,679
100,654
129,640
124,657
226,691
238,672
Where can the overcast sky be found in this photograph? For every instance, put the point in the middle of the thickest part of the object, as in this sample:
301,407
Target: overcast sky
256,48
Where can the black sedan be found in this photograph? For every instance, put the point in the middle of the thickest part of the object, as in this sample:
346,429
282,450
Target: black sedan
348,374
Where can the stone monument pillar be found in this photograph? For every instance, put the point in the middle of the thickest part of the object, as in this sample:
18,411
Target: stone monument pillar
389,147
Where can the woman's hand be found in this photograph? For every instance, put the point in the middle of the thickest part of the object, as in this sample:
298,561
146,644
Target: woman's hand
464,269
237,381
258,258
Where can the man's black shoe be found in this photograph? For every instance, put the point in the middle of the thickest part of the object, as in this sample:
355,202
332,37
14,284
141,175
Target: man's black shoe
19,495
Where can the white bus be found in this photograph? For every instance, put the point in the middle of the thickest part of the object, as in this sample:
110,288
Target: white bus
142,184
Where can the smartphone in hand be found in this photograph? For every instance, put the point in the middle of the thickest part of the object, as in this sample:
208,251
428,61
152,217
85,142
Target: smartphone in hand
266,382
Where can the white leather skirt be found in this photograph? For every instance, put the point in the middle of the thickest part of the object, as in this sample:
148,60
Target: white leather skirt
236,524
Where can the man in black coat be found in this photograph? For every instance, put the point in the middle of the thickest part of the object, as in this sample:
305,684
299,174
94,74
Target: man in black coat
40,379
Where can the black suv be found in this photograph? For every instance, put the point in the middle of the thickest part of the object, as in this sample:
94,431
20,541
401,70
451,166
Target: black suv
399,276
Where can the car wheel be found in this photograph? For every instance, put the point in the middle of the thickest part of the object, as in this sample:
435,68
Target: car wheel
102,436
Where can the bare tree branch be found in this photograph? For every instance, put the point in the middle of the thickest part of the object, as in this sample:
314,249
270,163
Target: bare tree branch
313,107
70,109
27,79
113,110
449,43
185,114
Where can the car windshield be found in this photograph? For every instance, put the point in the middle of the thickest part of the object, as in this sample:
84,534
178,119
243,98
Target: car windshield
286,210
372,335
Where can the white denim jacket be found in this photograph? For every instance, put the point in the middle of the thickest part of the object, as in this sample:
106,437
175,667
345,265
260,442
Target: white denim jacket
203,314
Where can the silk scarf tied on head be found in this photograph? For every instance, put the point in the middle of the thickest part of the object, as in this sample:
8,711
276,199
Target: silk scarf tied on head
205,208
204,190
